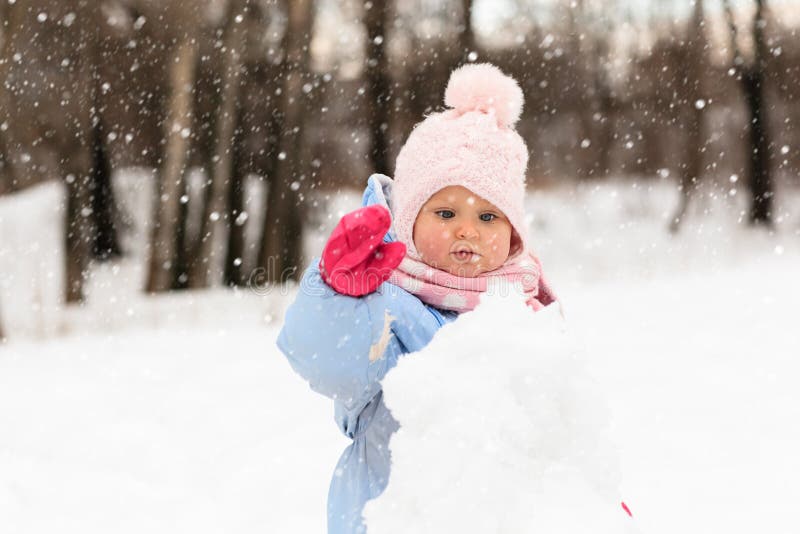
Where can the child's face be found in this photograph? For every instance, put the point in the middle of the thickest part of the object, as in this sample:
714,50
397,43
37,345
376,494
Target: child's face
459,232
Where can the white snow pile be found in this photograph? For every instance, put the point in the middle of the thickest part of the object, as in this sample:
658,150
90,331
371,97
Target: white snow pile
32,265
500,432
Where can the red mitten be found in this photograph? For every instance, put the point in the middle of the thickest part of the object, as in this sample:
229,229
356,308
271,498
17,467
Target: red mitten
355,261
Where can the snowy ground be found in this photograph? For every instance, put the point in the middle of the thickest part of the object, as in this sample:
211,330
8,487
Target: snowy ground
178,414
702,374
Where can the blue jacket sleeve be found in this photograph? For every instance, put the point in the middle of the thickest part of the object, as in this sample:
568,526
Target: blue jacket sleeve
343,346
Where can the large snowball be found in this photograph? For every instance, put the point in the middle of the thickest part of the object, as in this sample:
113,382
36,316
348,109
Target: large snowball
501,431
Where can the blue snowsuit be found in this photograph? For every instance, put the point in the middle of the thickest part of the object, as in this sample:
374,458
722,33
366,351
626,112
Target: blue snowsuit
339,344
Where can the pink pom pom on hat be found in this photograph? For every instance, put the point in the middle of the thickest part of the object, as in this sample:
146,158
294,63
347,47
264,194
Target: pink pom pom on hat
473,145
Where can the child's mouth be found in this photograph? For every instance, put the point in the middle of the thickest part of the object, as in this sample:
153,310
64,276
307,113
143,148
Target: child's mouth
465,255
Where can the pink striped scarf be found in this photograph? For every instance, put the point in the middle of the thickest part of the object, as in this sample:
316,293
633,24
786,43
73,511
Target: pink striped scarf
450,292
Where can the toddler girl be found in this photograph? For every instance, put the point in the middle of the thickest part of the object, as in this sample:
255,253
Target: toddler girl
421,250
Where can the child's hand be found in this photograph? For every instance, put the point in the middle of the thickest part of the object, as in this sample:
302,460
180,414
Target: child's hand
355,261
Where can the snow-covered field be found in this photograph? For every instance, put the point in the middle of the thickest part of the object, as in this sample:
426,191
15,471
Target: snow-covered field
178,414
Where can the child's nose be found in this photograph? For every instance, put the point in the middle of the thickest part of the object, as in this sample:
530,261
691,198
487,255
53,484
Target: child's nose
466,231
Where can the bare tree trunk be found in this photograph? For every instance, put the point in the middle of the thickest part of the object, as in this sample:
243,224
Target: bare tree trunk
760,178
589,58
281,252
78,165
236,207
79,230
105,244
379,83
607,110
692,166
184,247
468,43
595,103
215,217
47,117
752,80
177,129
5,168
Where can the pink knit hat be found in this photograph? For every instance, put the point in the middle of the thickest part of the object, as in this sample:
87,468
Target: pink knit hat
473,145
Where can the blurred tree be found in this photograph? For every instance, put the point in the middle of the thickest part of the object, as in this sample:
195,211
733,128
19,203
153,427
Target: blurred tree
137,54
177,131
377,14
690,85
91,87
590,51
47,113
237,213
466,36
281,242
256,136
182,33
5,181
752,78
662,71
785,70
106,243
134,53
215,218
438,38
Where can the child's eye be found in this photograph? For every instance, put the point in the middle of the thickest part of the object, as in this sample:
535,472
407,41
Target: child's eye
446,214
488,217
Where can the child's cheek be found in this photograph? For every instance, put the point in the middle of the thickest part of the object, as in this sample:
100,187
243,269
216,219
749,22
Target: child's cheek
429,241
